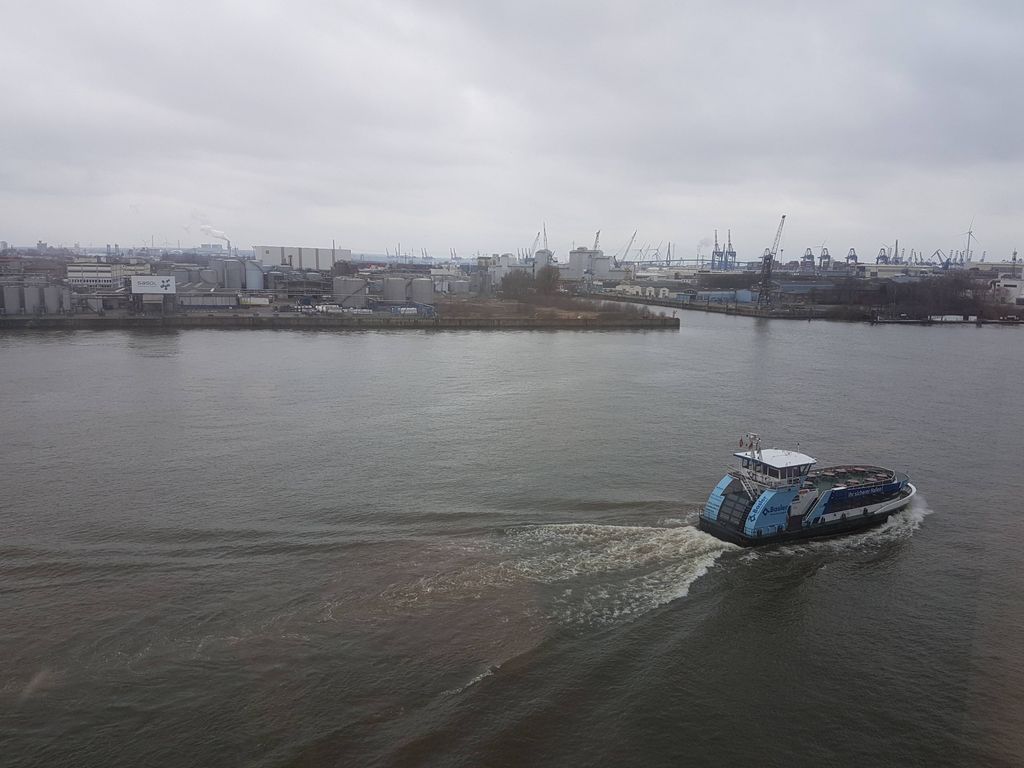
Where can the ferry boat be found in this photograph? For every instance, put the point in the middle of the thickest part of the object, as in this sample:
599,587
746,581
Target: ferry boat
775,495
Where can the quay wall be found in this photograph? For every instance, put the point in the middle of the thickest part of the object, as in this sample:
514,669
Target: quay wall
282,322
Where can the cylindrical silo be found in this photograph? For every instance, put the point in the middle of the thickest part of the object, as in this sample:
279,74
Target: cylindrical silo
33,296
12,300
253,276
423,290
217,265
541,259
460,287
51,299
350,292
394,288
233,275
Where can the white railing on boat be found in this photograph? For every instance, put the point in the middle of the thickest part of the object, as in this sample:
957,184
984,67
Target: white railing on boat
746,487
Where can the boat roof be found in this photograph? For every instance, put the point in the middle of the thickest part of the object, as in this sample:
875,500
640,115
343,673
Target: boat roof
777,457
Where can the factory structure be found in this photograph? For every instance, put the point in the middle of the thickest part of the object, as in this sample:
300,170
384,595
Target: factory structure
282,278
215,279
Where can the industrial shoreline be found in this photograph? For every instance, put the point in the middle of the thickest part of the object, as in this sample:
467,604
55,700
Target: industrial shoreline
332,322
805,312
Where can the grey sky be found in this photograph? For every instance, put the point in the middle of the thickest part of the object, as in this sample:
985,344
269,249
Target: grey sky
466,124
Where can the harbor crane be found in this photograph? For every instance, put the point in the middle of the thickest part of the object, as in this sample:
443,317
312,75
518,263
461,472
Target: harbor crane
533,248
763,293
597,239
625,254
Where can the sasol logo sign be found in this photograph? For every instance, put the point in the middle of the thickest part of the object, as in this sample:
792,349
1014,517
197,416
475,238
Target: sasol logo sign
153,284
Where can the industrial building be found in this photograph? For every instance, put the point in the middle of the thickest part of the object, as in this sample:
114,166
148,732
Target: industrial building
35,300
589,264
91,273
300,257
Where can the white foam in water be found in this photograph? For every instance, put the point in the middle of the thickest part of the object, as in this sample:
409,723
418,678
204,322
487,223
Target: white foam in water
611,573
898,527
639,568
608,572
473,681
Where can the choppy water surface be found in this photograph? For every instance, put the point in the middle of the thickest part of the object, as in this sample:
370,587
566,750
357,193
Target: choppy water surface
249,548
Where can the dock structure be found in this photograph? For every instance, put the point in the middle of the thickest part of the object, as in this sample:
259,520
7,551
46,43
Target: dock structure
331,322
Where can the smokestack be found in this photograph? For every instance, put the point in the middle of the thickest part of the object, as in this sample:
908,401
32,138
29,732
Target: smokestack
216,233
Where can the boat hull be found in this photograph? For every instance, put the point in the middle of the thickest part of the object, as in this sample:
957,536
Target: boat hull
851,524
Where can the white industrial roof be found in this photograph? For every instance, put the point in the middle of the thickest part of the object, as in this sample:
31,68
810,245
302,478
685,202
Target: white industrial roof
777,457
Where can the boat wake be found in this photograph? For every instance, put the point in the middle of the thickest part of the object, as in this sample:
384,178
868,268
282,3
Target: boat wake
473,681
578,574
583,573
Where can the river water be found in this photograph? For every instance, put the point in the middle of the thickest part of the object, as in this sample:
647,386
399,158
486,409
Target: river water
228,548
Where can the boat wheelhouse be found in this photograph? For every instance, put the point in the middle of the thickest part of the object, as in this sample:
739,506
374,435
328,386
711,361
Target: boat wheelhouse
777,495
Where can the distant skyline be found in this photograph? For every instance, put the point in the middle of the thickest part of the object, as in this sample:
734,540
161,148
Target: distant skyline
466,125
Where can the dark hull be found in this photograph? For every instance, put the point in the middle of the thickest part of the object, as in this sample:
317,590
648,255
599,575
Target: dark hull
824,531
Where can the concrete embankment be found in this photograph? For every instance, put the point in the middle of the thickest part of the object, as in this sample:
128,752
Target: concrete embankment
789,313
327,322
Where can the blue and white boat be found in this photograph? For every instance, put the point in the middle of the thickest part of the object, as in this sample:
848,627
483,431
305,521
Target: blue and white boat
776,495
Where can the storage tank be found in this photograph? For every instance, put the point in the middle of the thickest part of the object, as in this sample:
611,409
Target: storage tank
541,259
12,300
460,287
394,288
253,276
234,275
33,296
422,291
51,299
217,265
350,292
209,276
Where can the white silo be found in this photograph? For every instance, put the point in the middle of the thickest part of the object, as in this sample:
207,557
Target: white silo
33,299
394,288
350,292
12,300
253,276
423,290
234,275
51,299
541,259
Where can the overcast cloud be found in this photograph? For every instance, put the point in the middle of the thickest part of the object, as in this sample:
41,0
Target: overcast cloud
466,124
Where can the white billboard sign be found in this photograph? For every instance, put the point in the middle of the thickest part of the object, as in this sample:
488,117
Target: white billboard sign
153,284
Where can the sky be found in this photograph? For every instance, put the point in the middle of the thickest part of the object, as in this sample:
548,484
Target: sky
469,124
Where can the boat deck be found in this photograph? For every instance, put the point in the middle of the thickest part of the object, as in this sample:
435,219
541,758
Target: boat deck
850,476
